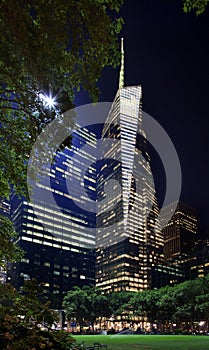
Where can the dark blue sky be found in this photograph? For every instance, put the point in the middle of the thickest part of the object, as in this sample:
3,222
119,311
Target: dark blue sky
167,52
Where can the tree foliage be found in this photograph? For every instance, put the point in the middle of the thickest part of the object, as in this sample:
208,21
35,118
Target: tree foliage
25,323
86,304
119,303
185,302
9,250
75,304
48,47
198,6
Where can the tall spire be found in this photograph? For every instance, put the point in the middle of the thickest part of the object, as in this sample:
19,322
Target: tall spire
121,79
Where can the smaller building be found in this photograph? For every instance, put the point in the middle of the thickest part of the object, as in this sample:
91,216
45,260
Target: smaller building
180,238
180,233
200,261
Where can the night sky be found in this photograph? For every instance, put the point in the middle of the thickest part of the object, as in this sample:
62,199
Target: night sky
167,52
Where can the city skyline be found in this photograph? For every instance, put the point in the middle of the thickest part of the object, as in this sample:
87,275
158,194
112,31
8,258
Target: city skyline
104,197
128,235
128,238
130,263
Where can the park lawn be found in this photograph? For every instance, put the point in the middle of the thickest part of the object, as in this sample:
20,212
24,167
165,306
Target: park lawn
147,342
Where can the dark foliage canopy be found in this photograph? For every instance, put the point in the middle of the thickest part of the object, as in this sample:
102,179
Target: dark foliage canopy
48,47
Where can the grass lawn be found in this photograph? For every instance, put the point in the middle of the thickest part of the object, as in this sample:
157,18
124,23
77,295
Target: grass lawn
147,342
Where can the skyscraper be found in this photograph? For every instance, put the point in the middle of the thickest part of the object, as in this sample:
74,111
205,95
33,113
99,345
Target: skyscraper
129,238
59,249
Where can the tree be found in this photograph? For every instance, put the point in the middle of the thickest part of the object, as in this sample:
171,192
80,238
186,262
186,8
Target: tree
119,302
184,295
136,304
198,5
9,250
99,305
48,46
86,304
185,302
23,317
202,300
166,305
75,304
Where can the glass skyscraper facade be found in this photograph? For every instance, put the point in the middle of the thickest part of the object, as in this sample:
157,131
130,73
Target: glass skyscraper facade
129,239
57,237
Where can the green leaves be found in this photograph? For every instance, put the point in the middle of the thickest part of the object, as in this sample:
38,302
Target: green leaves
184,302
22,316
86,304
198,6
9,251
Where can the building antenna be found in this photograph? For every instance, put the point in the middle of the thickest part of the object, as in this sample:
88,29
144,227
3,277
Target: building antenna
121,79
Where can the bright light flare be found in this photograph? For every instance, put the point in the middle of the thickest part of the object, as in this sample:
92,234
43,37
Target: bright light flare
49,101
